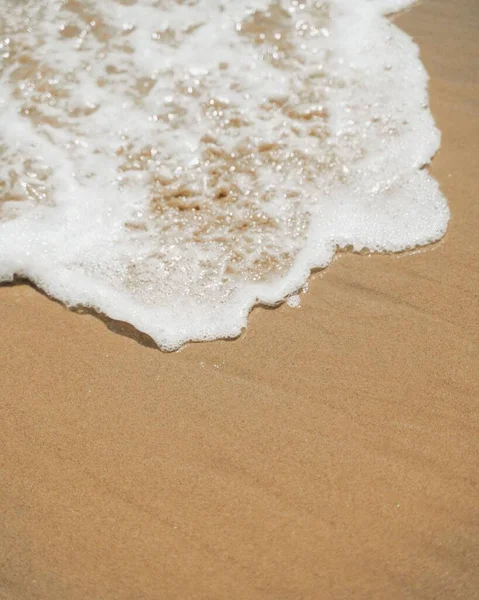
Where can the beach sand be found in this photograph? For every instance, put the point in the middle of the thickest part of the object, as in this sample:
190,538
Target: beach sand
330,453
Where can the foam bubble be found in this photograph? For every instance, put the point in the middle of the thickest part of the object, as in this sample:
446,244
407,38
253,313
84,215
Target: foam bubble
293,301
172,164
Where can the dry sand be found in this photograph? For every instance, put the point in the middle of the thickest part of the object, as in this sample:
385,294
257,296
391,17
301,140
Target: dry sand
330,453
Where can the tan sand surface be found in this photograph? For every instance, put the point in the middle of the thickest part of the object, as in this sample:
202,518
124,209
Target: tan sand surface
331,453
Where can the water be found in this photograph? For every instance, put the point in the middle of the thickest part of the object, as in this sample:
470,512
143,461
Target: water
172,164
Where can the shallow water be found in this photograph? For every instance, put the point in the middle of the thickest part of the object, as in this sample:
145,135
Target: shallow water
171,164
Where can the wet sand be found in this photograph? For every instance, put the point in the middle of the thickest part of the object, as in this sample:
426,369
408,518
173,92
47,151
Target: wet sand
332,452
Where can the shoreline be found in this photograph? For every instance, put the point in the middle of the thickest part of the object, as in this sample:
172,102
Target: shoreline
330,451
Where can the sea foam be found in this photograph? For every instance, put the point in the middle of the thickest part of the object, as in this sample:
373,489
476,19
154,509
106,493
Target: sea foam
173,163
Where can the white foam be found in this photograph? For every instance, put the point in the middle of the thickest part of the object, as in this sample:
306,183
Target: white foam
174,164
293,301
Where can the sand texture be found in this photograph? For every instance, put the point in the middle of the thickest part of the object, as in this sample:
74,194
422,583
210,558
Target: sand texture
330,453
